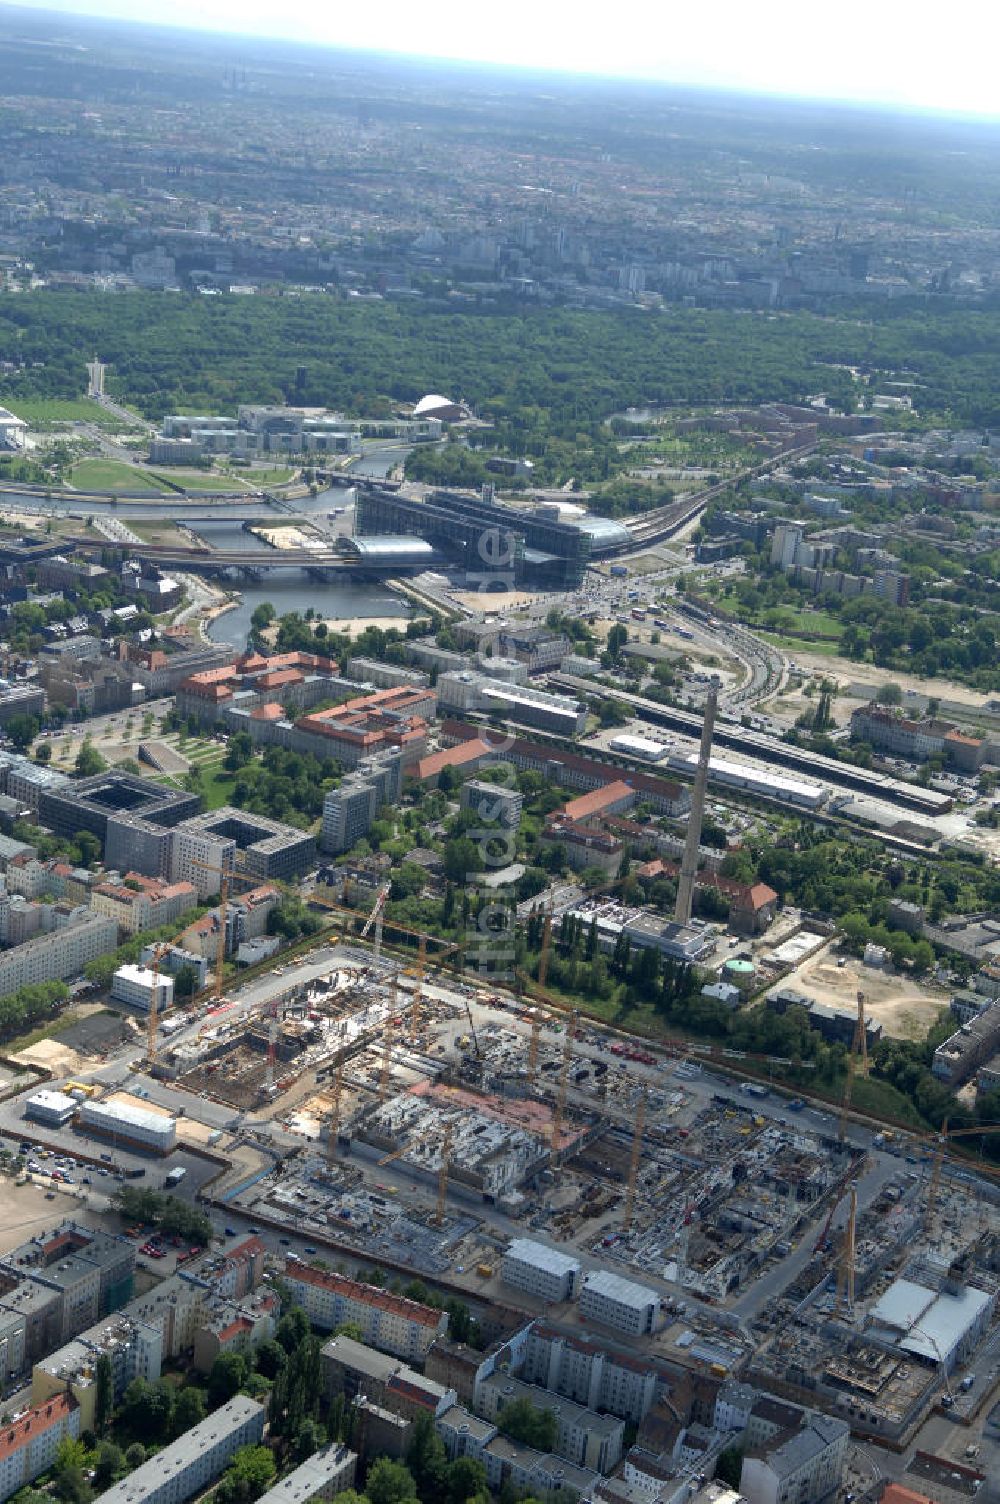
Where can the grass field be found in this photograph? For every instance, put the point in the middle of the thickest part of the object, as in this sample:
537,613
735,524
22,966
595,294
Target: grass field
112,475
198,480
39,412
274,477
801,644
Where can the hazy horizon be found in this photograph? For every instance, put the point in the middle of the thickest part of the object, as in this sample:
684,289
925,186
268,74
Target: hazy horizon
866,59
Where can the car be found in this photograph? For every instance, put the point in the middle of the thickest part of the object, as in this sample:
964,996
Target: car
310,1250
50,1195
86,1180
286,1241
230,1232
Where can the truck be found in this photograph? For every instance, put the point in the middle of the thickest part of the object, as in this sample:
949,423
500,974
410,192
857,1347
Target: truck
753,1089
619,571
796,1105
174,1176
485,1271
638,614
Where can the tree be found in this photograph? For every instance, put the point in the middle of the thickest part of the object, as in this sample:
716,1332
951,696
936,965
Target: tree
104,1393
226,1377
729,1466
522,1421
22,730
270,1358
89,761
293,1329
43,753
88,847
109,1464
135,1455
185,981
250,1474
426,1458
189,1408
389,1482
465,1479
889,694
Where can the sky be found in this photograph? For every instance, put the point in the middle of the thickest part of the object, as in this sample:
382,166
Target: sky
924,58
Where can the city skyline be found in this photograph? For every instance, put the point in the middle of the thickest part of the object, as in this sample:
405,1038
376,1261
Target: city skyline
867,59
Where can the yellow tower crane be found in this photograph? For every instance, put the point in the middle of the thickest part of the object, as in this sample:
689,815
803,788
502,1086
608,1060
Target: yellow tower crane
334,1125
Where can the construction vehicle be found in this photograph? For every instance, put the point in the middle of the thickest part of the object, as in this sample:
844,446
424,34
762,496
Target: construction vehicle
485,1271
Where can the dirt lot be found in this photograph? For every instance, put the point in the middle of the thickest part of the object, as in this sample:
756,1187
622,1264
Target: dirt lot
24,1212
844,672
902,1006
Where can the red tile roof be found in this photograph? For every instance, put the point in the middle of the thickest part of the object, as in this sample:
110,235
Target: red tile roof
598,800
369,1295
36,1422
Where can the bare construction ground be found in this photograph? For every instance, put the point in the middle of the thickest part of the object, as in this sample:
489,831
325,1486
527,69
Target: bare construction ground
25,1211
903,1007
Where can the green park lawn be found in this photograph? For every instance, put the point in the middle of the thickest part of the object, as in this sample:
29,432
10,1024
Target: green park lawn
113,475
199,480
39,412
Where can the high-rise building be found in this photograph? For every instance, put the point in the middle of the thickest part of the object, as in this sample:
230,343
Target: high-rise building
692,843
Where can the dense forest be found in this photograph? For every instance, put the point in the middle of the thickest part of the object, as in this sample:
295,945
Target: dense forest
176,353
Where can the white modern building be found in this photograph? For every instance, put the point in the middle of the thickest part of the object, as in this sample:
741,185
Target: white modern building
139,985
611,1300
194,1460
132,1127
540,1270
936,1326
53,1108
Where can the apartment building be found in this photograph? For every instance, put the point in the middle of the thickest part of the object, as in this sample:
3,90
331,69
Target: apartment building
133,1349
804,1466
389,1322
494,802
326,1473
142,903
194,1460
541,1270
582,1436
28,1446
972,1045
60,954
612,1301
260,847
591,1373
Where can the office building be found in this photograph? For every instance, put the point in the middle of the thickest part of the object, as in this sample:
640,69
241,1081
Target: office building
263,848
350,809
132,1127
20,699
384,720
804,1466
28,1445
137,986
611,1300
294,681
327,1472
52,1108
383,675
935,1326
89,803
972,1045
57,955
474,692
389,1322
541,1270
194,1460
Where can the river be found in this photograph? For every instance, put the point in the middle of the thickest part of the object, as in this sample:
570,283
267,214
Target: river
285,589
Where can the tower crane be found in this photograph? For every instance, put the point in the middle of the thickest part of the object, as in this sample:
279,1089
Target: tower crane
567,1056
375,917
847,1265
442,1194
633,1168
334,1125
